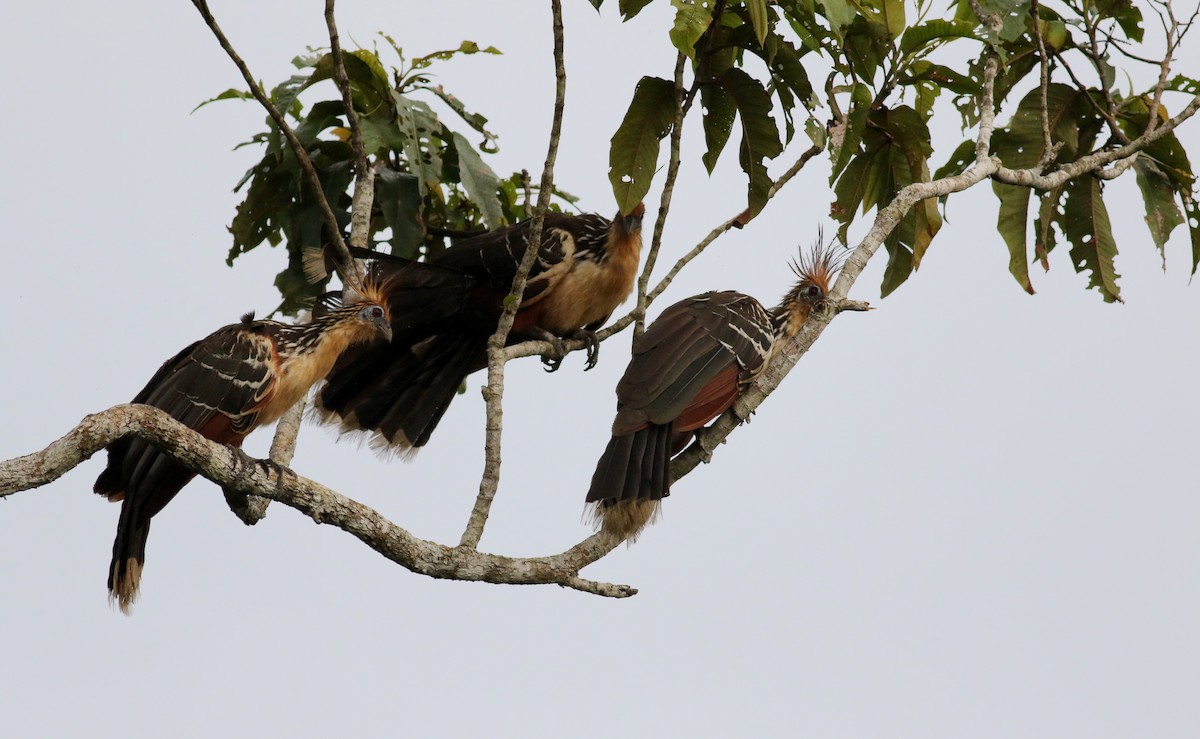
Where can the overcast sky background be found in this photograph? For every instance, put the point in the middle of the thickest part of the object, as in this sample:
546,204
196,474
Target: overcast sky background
970,512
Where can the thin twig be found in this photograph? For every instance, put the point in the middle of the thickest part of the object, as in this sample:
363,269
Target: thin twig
346,266
1048,149
664,207
493,393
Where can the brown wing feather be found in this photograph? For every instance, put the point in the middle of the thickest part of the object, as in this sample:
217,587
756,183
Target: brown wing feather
214,386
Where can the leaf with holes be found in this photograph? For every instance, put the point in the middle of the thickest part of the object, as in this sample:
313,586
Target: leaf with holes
691,21
1162,214
633,153
760,136
1013,224
719,112
1088,229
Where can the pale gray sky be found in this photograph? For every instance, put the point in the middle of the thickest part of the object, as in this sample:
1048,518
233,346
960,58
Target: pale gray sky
970,512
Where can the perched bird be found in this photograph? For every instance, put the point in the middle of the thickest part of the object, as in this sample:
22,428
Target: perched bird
687,369
224,386
444,309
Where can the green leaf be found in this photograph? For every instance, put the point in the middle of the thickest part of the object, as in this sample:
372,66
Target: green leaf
630,8
1162,214
691,21
480,182
474,120
230,94
816,132
1012,14
856,122
893,13
919,36
946,77
633,154
1179,83
840,14
1012,224
596,4
1088,229
1048,215
899,264
760,136
1127,15
719,112
1022,144
758,19
399,198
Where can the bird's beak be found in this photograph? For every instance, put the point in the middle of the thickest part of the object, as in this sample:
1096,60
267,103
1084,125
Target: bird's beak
384,328
632,223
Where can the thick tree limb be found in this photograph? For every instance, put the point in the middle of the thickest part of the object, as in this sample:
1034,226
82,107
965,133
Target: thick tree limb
233,470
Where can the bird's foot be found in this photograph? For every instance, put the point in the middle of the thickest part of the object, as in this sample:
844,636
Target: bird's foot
553,359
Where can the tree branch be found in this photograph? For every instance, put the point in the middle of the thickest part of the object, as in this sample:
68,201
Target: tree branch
493,392
664,207
232,469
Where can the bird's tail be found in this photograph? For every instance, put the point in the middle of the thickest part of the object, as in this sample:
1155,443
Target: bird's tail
631,479
400,392
129,554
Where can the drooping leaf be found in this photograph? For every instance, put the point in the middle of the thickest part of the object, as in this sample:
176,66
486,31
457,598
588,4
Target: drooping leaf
760,136
899,264
719,112
856,122
633,153
480,182
1162,214
1049,215
758,19
1087,227
1012,223
399,199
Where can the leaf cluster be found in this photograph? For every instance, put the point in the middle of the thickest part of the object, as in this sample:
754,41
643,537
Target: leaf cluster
432,182
886,63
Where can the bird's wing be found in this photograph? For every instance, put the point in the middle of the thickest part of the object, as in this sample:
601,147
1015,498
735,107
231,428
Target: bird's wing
689,365
215,386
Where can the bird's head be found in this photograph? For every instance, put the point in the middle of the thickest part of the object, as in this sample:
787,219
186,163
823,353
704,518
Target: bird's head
815,270
366,307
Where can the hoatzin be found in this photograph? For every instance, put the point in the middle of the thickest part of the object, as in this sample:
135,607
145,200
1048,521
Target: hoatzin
224,386
443,311
687,369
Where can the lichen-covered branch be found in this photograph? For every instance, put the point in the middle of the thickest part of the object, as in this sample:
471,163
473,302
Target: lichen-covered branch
232,469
